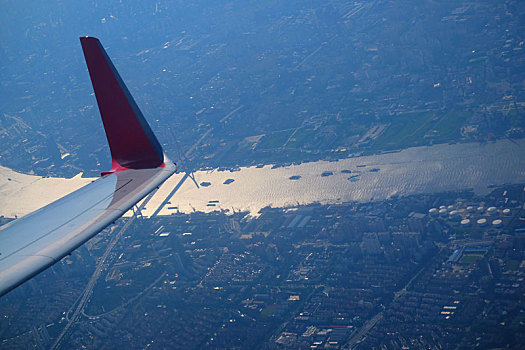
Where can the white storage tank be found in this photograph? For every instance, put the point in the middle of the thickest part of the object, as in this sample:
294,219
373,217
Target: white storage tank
433,212
492,211
465,223
454,215
497,223
482,222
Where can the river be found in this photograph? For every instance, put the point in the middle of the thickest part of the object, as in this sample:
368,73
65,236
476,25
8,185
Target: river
418,170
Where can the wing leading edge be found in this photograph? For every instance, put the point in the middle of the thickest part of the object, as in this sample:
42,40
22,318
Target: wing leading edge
36,241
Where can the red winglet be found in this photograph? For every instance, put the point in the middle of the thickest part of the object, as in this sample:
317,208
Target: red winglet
115,168
131,141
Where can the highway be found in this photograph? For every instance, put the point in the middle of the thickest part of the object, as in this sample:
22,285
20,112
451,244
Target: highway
86,294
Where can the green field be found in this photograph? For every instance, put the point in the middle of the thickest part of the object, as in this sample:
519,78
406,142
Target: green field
275,139
422,128
301,137
403,131
469,259
269,311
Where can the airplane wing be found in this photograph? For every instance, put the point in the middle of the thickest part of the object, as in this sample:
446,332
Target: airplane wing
38,240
